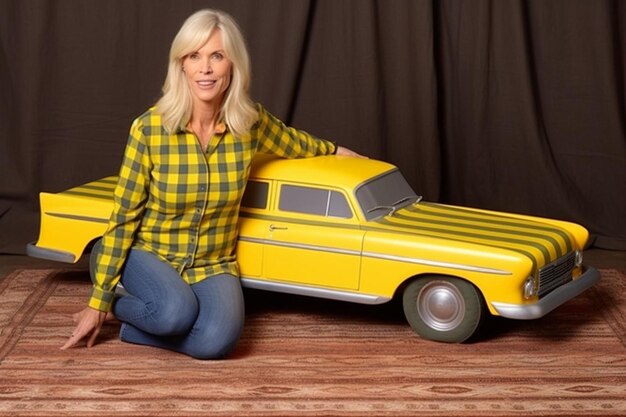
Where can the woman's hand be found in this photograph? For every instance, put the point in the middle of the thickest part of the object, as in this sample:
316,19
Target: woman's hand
88,323
348,152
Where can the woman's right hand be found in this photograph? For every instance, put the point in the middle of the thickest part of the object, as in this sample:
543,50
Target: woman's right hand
348,152
88,323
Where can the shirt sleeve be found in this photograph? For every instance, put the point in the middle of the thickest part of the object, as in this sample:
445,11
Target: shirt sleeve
129,200
276,138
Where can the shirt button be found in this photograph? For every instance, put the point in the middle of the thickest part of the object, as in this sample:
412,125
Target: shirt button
202,188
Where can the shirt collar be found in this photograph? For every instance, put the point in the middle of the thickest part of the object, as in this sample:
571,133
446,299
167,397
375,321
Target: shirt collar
219,129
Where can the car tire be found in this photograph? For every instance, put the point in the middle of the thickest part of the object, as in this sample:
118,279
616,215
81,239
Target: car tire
444,309
95,249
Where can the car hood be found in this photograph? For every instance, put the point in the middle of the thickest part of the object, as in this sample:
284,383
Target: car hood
541,241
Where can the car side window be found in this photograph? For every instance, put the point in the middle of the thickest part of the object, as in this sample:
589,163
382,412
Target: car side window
318,201
255,195
338,206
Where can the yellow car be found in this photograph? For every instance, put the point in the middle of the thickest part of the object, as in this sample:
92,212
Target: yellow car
353,229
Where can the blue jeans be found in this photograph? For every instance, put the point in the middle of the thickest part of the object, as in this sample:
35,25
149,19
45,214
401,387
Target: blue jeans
203,320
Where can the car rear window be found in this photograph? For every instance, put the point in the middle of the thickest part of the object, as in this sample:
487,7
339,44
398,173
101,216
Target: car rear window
255,195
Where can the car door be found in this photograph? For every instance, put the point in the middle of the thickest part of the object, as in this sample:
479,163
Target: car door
252,228
313,239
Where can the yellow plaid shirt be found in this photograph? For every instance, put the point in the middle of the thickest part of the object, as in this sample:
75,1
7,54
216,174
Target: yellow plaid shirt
182,203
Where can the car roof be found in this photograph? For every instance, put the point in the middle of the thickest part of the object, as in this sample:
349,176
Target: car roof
331,170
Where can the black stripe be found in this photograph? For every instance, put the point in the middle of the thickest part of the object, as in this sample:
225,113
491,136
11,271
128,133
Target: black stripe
550,239
489,218
540,247
107,197
529,255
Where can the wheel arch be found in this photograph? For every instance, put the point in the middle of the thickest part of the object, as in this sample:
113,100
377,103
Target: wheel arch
400,289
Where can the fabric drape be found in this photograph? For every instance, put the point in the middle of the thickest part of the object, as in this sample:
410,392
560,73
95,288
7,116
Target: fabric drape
501,104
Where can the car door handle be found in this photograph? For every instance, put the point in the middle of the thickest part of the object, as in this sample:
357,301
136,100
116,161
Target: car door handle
273,227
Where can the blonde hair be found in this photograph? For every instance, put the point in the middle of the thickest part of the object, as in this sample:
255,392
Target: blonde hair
175,105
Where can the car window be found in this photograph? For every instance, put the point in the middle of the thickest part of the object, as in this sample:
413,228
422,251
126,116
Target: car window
338,206
255,195
310,200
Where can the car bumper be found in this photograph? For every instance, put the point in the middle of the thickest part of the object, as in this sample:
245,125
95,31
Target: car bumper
50,254
551,301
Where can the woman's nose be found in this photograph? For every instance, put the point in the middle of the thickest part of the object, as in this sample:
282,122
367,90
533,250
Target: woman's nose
206,67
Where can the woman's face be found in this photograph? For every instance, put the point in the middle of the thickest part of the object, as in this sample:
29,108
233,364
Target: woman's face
208,71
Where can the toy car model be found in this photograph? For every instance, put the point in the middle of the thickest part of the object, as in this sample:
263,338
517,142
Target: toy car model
353,229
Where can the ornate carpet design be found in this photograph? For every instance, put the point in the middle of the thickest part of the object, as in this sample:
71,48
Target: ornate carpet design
301,356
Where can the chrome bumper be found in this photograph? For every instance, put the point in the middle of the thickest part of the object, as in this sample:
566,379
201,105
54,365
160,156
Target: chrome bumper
552,300
51,254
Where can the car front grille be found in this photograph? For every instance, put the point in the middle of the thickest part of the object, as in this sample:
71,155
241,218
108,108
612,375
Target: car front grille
555,274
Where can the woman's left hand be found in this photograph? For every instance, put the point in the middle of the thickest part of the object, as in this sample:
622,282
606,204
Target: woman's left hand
88,323
348,152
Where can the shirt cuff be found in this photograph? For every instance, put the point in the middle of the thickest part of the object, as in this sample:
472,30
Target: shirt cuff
101,300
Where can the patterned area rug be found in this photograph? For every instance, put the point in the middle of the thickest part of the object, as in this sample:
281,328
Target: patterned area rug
307,357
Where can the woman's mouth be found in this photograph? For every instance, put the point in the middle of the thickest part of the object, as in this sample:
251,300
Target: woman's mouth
205,83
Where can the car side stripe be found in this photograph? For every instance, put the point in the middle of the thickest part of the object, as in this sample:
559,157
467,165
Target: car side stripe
376,255
300,246
429,262
75,217
386,225
382,228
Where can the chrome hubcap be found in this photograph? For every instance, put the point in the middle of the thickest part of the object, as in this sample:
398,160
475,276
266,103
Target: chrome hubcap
440,305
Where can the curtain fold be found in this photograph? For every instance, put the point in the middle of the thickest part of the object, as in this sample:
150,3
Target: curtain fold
502,104
533,110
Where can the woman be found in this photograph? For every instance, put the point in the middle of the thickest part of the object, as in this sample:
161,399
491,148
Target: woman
173,230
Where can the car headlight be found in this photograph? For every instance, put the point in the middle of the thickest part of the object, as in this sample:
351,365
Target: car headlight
578,258
529,287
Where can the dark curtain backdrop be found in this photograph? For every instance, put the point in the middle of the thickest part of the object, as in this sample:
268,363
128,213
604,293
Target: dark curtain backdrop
502,104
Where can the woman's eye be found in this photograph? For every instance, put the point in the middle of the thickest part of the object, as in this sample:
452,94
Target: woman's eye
217,56
194,56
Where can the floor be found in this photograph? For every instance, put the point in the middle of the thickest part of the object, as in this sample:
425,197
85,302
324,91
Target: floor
602,259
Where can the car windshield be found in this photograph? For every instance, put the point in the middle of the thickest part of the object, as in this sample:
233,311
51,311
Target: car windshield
385,194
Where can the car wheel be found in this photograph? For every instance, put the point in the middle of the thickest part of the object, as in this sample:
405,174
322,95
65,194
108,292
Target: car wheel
444,309
92,259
